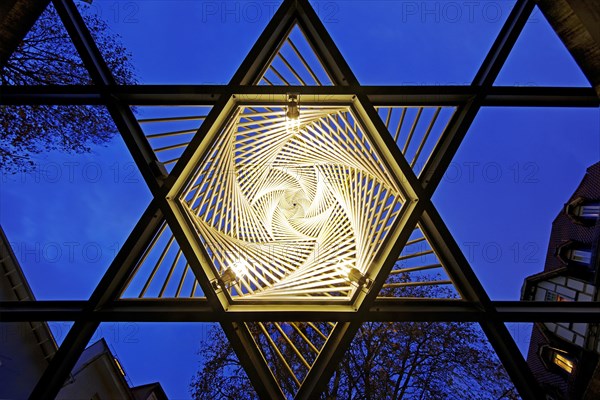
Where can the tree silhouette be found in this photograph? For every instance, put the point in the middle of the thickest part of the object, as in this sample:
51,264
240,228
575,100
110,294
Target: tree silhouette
386,360
46,56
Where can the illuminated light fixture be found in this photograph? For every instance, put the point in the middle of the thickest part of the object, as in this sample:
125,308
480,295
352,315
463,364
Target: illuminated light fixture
343,267
231,274
240,268
358,279
292,216
228,276
292,114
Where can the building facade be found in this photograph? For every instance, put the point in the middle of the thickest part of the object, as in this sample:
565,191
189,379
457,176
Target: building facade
564,356
27,347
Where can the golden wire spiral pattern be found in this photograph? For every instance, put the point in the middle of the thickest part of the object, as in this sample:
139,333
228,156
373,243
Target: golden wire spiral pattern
291,209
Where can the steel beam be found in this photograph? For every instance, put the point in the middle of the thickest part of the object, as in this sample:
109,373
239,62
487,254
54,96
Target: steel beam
328,360
325,48
121,113
265,48
61,365
264,382
341,74
505,96
379,96
249,73
382,310
433,226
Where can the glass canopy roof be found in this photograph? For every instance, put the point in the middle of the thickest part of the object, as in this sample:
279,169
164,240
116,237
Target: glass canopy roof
257,220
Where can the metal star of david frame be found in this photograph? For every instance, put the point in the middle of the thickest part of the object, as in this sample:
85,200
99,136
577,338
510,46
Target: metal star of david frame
329,224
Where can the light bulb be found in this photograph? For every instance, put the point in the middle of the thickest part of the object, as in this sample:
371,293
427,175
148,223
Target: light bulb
240,268
292,115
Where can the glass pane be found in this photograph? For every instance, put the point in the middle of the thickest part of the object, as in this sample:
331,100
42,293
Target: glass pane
591,211
510,179
25,348
145,351
219,373
205,42
45,56
521,334
71,200
420,360
539,58
414,42
176,42
561,363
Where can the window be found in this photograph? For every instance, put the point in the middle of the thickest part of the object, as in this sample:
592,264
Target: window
580,256
556,359
572,252
583,211
564,363
591,210
551,296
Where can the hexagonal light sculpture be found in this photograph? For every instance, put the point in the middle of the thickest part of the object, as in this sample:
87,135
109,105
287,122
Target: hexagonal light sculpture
291,211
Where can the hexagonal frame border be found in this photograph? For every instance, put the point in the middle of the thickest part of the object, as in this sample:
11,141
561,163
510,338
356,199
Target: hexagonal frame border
388,154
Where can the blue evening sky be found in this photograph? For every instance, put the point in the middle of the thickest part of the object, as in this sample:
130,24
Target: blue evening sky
515,170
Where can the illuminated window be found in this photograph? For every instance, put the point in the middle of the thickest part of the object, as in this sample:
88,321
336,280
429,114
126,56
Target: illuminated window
562,362
551,296
556,359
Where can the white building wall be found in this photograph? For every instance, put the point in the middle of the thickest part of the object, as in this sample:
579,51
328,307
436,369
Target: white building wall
569,289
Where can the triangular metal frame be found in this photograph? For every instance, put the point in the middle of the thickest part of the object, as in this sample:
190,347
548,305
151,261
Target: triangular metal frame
103,304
